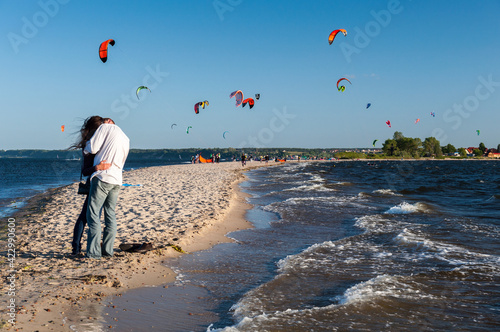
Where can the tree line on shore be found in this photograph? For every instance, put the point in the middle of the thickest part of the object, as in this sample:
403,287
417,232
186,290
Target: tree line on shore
175,155
398,146
408,147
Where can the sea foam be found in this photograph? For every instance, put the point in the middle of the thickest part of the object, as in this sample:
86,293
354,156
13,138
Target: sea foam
405,208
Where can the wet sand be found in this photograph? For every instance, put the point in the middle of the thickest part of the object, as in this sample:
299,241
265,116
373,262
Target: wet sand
191,206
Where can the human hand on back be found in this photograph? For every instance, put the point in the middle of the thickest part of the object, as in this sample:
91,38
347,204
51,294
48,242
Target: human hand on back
103,165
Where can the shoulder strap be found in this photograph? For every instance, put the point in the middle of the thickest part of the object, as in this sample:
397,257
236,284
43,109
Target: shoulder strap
81,168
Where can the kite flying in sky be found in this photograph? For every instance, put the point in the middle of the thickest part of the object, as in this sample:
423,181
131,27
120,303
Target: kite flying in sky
62,128
238,95
172,126
197,106
388,123
417,121
103,49
187,130
478,132
257,96
342,87
334,33
433,114
224,134
368,105
374,141
250,102
141,88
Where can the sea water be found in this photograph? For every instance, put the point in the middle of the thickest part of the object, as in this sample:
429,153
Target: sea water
349,245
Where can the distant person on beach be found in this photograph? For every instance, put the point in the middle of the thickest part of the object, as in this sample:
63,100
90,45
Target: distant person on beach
88,129
243,159
111,144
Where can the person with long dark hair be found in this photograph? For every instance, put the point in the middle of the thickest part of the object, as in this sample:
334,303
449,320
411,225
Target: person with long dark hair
87,130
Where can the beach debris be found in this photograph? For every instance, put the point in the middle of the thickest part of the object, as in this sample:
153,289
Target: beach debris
4,324
342,87
177,248
136,247
238,95
388,123
250,102
103,49
224,134
334,33
142,87
91,278
197,106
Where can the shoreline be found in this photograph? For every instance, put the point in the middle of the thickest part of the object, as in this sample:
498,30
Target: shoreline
50,284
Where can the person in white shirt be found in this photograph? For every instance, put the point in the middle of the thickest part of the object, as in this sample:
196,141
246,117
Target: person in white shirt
111,144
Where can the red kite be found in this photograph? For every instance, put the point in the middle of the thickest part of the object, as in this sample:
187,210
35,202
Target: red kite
103,49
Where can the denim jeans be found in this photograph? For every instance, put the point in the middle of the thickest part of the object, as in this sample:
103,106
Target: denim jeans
102,195
79,227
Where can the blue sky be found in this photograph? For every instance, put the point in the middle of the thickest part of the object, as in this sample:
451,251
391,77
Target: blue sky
406,58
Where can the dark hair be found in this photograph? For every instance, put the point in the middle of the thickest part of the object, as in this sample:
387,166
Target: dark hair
87,130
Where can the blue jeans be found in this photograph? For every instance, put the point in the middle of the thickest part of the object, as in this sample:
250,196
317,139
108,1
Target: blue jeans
102,195
79,227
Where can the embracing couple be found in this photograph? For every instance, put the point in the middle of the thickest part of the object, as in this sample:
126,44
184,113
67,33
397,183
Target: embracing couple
105,148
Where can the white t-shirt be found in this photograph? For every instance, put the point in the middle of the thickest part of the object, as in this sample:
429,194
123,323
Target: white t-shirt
111,144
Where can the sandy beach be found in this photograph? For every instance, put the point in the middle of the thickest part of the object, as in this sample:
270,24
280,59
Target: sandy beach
190,206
